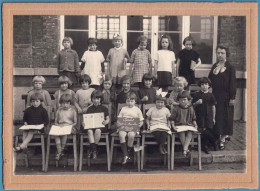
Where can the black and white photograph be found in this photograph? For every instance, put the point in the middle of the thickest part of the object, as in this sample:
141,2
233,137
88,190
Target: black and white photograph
131,94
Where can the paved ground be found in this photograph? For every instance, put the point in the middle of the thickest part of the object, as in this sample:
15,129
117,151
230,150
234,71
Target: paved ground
232,159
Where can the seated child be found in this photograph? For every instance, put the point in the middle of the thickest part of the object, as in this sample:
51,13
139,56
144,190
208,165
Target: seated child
147,93
204,104
95,134
34,115
64,83
126,83
65,115
158,122
184,114
129,111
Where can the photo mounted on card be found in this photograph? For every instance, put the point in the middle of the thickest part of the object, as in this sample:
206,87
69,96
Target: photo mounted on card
204,59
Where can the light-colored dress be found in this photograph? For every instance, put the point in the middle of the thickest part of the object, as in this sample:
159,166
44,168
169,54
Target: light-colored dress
83,97
93,60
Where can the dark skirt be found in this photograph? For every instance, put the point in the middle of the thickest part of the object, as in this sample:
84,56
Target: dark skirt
224,118
164,78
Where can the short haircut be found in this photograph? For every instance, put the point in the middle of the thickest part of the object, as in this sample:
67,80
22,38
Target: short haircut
36,96
105,79
147,76
180,79
92,41
160,98
221,46
68,39
39,79
188,38
131,95
85,78
170,47
117,36
126,77
97,94
64,79
142,38
204,80
184,94
65,98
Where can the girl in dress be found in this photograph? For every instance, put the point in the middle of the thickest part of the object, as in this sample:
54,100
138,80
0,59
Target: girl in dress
93,59
188,61
158,122
147,93
141,59
164,63
117,58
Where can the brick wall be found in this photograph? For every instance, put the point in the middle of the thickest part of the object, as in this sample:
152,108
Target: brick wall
232,33
36,41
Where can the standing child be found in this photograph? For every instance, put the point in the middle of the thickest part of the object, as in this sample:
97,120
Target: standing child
129,111
65,115
141,59
109,94
93,59
117,58
179,83
188,61
64,83
147,93
164,63
95,134
158,122
34,115
68,61
126,82
184,114
204,104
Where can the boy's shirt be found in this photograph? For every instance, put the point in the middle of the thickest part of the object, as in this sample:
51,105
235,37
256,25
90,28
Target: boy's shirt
36,116
68,60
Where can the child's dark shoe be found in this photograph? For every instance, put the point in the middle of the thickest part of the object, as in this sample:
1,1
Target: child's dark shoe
94,155
125,160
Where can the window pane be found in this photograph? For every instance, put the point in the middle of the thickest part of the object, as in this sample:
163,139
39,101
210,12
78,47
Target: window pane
170,23
201,23
132,43
139,23
76,22
106,26
204,46
79,41
176,40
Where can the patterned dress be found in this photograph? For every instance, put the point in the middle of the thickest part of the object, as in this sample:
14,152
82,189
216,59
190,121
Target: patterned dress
141,60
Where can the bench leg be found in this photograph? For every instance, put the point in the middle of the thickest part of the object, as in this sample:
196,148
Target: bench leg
108,154
138,155
112,149
43,152
47,153
75,152
199,151
169,151
172,152
142,152
81,153
26,160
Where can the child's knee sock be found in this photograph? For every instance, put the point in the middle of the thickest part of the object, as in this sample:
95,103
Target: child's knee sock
92,147
124,149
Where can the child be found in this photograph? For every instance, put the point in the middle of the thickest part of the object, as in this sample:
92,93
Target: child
179,83
188,61
93,59
183,114
204,104
147,93
117,58
109,94
65,115
141,59
34,115
68,61
126,83
129,111
158,122
95,134
164,63
64,83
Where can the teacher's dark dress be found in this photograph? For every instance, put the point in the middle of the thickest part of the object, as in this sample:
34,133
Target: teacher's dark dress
224,89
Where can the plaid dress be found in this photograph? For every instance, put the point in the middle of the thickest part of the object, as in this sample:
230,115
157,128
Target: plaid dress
141,60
